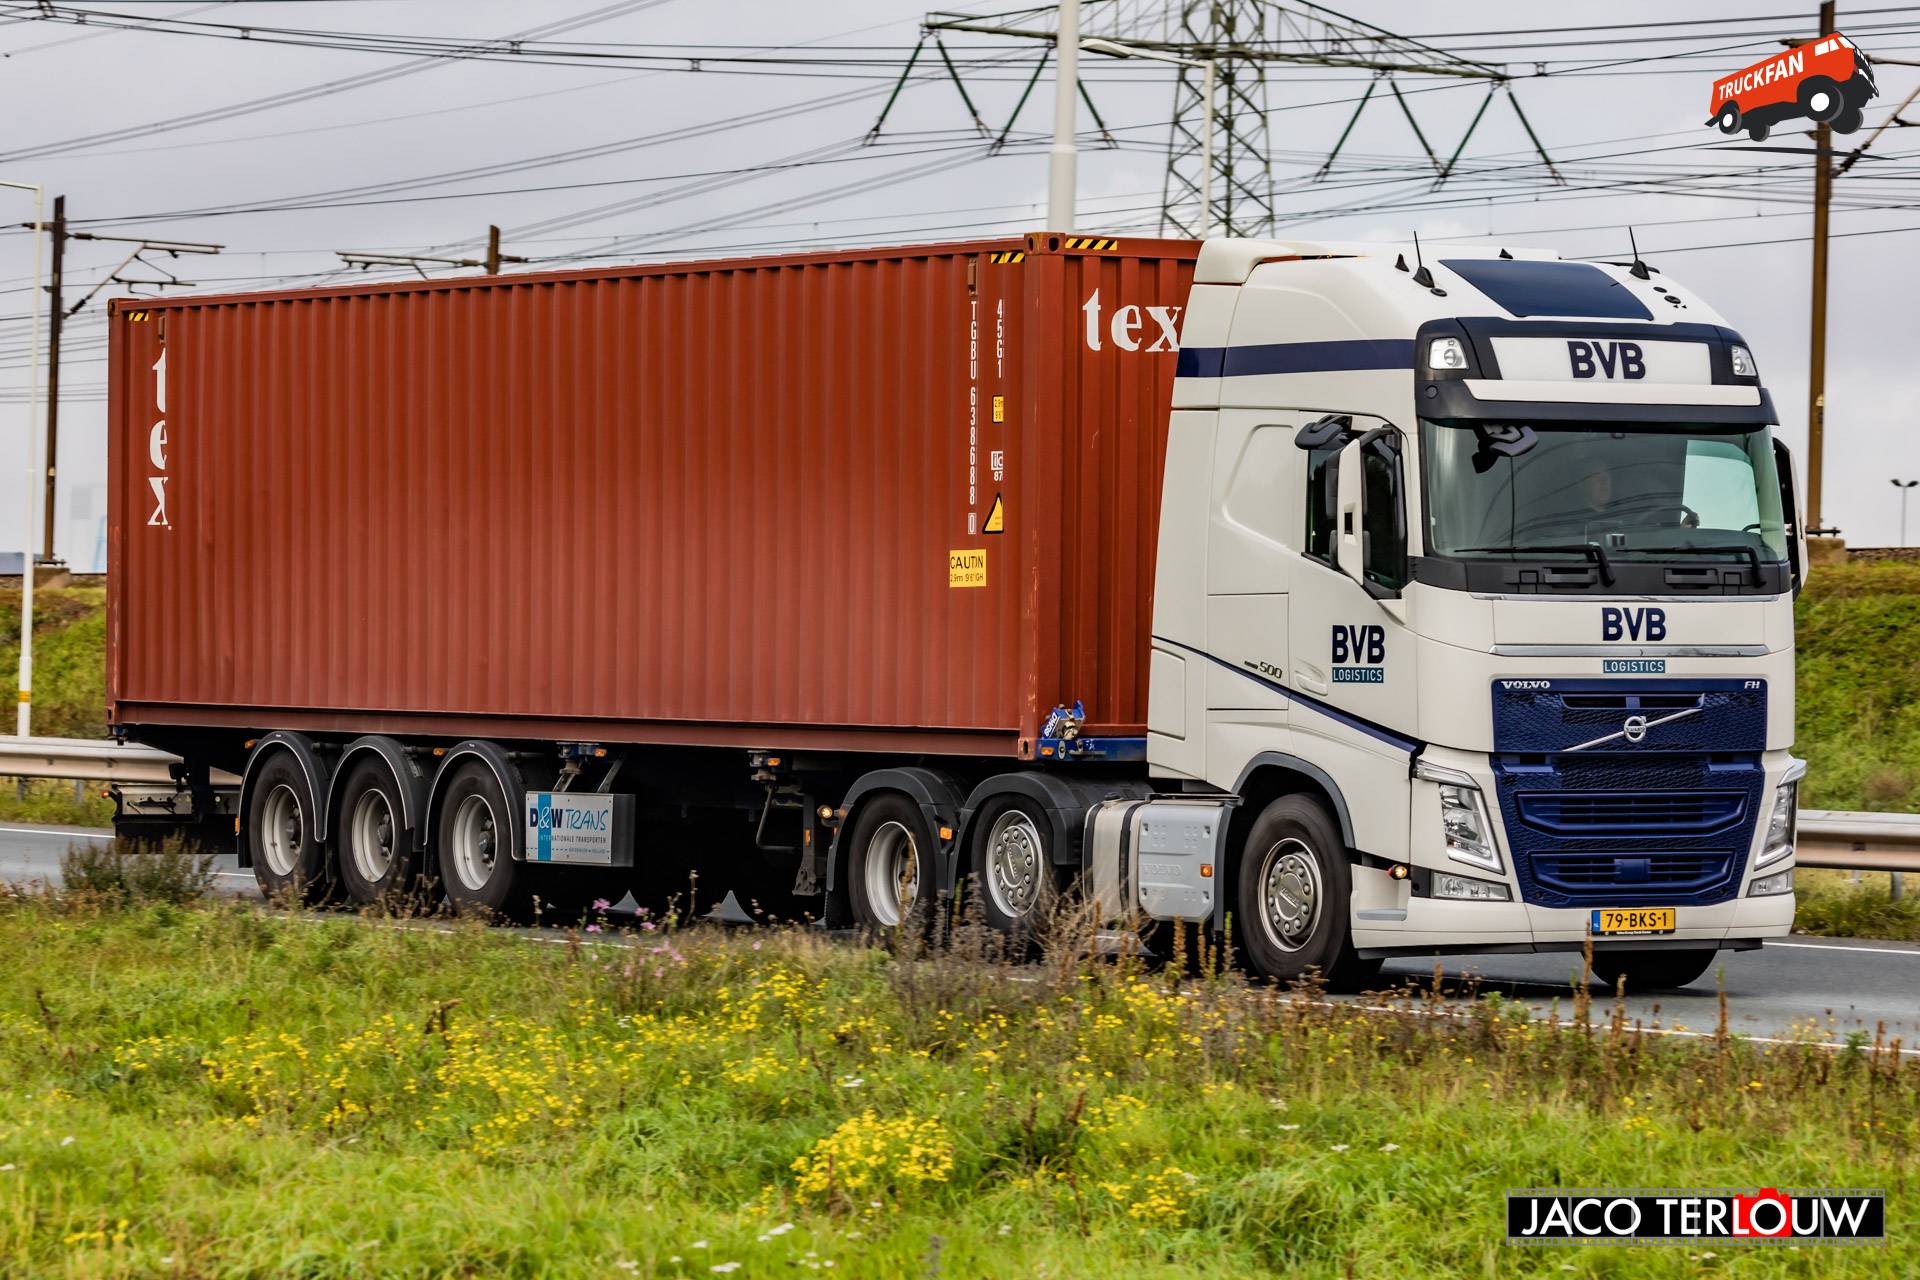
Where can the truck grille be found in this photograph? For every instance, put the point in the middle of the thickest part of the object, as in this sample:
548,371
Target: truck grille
1663,820
1631,811
1578,873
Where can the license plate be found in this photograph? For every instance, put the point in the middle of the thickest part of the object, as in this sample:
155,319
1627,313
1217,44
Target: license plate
1630,920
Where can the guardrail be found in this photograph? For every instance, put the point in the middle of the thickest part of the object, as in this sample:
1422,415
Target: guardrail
1828,838
85,759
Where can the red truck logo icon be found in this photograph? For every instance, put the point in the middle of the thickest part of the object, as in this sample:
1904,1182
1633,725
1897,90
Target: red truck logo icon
1828,81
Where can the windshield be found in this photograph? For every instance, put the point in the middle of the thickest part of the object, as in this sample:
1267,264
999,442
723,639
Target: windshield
1637,494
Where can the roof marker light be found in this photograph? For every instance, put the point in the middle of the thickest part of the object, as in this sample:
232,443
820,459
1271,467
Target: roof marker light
1446,353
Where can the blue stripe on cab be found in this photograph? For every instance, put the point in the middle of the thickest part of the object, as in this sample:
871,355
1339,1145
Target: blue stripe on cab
1295,357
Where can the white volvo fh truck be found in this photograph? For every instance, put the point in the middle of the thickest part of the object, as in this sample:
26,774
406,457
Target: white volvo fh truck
1500,550
1471,585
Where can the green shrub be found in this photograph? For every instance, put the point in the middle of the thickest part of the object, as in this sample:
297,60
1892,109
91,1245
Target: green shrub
125,874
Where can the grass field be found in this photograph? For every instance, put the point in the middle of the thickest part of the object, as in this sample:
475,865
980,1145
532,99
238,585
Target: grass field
219,1091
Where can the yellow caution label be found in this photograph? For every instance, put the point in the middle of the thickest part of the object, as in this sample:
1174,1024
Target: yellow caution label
999,408
997,517
967,568
136,316
1096,243
1006,255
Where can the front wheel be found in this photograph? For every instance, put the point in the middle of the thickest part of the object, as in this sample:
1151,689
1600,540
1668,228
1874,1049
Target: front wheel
1293,897
1646,971
1729,119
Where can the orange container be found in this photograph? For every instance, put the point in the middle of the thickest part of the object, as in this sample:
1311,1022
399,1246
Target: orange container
887,500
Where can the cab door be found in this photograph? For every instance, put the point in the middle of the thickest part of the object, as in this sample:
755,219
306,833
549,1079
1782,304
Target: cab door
1351,655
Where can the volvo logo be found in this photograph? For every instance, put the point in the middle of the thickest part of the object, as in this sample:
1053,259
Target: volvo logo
1635,729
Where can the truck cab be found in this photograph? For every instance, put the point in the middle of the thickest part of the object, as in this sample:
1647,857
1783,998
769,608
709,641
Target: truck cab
1477,565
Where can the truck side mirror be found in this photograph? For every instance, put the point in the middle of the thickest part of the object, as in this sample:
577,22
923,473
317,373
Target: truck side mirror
1350,501
1790,515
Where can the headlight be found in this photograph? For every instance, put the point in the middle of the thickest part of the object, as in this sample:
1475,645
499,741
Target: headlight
1463,817
1743,365
1448,885
1778,882
1446,353
1780,827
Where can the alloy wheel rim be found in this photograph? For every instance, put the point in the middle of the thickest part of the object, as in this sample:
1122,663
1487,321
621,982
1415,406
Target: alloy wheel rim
1290,895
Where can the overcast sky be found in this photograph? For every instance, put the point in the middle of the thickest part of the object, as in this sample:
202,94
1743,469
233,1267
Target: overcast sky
762,141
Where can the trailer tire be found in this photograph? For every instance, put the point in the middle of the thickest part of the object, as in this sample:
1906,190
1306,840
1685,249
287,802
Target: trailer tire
1012,865
1647,971
473,846
377,862
1820,98
1294,886
891,848
289,863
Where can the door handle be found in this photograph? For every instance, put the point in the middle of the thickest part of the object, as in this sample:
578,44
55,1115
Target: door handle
1309,678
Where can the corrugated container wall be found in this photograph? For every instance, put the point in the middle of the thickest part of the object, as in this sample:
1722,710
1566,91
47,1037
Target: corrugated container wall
731,503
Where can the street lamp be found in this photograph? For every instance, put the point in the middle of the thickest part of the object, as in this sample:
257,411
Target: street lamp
1211,68
1905,487
24,724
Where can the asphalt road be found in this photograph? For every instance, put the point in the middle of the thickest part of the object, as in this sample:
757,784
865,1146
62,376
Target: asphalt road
1829,986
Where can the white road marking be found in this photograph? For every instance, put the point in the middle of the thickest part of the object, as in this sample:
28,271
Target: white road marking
59,831
1859,951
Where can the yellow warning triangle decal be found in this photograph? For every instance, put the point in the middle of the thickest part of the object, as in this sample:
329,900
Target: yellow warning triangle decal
997,517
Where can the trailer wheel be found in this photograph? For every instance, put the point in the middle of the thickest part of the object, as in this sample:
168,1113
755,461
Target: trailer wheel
1729,118
1013,875
891,873
1646,971
1820,98
473,841
1293,892
377,861
288,862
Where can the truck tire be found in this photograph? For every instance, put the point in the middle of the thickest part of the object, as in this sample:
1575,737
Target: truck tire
1294,887
289,863
1820,98
891,874
1729,118
1013,874
376,854
1849,120
473,845
1647,971
1758,132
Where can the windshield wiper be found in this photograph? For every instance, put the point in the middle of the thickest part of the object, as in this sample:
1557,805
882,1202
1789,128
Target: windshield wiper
1739,549
1591,550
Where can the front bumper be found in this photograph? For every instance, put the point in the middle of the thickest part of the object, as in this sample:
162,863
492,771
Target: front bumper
1431,926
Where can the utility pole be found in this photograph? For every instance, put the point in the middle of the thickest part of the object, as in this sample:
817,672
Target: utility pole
493,251
1817,354
1066,83
1906,488
55,315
